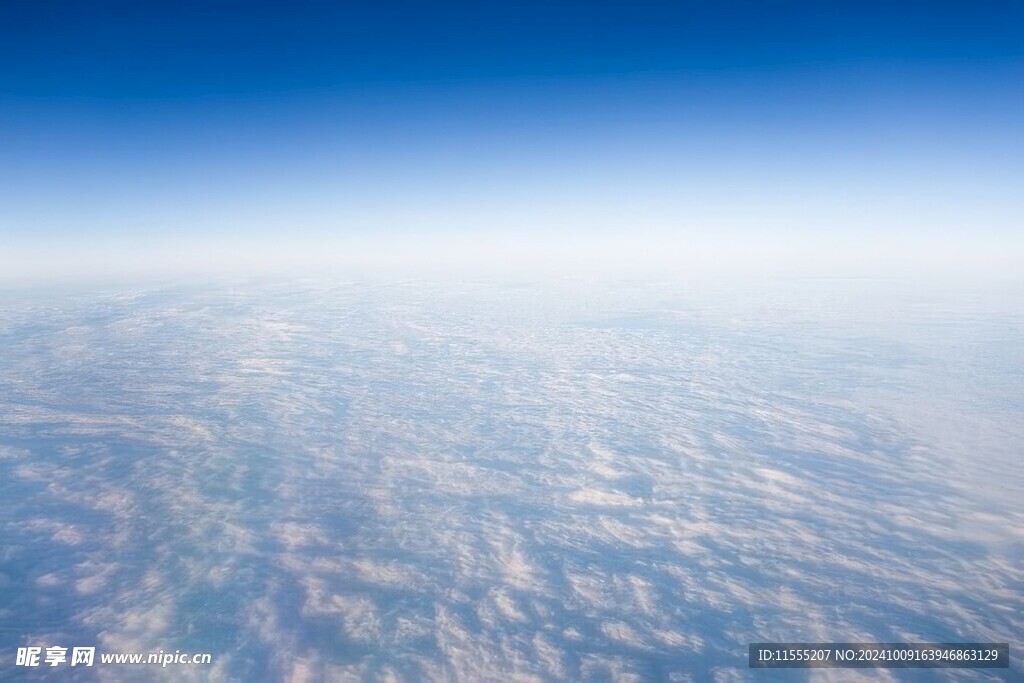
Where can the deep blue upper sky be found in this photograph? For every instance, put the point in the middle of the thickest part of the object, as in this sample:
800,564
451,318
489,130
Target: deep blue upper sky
192,49
125,120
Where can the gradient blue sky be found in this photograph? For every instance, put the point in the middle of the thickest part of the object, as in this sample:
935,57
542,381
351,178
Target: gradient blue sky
817,137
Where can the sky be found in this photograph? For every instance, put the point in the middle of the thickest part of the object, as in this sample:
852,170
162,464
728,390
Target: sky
820,138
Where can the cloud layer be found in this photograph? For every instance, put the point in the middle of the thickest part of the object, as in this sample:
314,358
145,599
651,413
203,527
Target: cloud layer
546,481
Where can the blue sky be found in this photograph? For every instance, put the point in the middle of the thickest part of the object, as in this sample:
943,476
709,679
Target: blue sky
831,137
